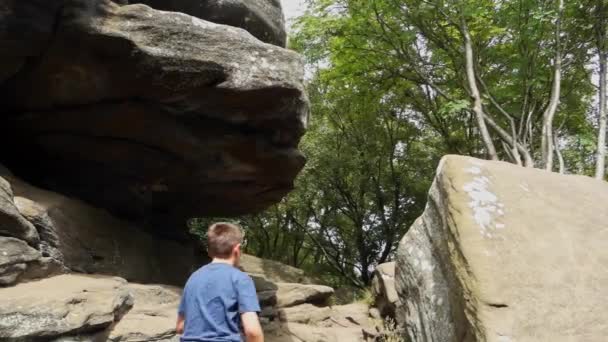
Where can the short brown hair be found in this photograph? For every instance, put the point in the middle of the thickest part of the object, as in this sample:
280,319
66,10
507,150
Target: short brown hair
221,239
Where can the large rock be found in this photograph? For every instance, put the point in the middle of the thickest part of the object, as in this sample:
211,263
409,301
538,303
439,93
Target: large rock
262,18
89,240
61,305
504,253
386,298
156,116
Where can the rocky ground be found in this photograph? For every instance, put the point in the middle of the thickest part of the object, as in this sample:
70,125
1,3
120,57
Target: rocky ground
78,307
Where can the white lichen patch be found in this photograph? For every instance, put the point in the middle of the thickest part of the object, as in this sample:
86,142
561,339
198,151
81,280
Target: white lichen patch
485,204
474,170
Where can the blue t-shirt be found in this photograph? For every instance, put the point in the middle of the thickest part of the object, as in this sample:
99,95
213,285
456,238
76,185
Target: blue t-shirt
213,299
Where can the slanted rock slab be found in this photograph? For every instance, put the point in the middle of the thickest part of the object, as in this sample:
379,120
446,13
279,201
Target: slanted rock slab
62,305
505,253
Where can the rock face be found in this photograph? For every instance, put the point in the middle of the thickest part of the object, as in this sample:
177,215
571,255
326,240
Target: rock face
155,116
504,253
383,289
262,18
74,236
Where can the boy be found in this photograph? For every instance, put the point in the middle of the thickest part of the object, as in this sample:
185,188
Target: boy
219,299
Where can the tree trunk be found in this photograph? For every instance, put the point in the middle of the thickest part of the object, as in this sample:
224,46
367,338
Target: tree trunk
477,103
602,47
560,156
547,145
528,161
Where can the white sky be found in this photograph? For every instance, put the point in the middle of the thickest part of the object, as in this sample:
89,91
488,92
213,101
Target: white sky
293,8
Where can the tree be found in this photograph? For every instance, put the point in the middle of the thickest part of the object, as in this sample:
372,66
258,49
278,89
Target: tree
518,65
601,41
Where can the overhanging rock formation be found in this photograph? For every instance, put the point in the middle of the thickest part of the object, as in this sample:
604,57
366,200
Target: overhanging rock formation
155,116
262,18
503,254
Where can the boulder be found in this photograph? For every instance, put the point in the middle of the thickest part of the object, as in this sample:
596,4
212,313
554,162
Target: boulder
84,239
152,317
62,305
292,294
156,116
383,289
262,18
11,221
505,253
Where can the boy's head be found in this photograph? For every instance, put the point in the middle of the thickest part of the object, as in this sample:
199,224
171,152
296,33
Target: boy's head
224,241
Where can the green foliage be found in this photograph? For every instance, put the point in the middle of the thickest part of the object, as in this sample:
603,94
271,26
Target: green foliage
412,51
390,97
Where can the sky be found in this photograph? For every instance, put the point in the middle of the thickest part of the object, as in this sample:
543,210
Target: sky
293,8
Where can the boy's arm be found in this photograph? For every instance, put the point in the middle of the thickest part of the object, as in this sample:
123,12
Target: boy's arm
252,327
181,315
180,324
249,306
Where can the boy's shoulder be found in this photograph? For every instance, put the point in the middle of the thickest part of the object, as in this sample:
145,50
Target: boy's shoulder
235,272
